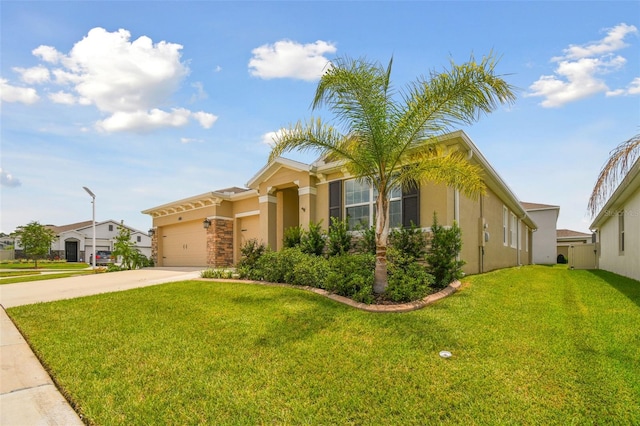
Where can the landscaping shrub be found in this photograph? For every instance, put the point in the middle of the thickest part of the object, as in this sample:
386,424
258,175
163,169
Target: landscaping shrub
352,276
216,273
311,271
292,237
279,266
408,279
313,241
366,243
442,256
339,240
250,252
410,241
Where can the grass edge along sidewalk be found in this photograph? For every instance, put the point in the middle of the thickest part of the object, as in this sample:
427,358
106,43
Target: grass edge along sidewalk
530,345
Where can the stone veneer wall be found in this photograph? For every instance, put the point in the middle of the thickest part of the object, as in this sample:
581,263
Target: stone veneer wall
220,243
154,247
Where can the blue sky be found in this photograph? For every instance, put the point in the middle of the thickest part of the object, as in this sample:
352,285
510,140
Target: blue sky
149,102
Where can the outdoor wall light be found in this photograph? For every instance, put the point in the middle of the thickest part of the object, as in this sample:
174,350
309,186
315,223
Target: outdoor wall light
151,232
206,223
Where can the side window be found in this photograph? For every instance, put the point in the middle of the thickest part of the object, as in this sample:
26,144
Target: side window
357,202
110,228
514,230
335,199
505,224
621,231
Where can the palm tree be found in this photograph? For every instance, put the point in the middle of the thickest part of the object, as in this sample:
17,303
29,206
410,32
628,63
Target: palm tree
390,137
621,160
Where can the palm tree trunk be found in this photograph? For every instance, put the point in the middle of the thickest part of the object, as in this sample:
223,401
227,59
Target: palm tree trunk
382,233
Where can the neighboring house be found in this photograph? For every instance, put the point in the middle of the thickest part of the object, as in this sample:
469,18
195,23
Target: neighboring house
617,228
75,241
209,229
565,238
544,239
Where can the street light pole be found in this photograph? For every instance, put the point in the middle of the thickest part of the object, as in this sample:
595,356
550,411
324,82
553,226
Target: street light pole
93,203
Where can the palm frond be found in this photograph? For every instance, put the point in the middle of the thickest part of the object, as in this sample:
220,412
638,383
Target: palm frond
621,160
451,169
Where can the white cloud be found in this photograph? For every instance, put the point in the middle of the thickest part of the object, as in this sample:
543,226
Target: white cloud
47,54
268,138
9,93
634,87
613,41
143,121
7,180
205,119
190,140
131,81
63,98
33,75
287,58
579,71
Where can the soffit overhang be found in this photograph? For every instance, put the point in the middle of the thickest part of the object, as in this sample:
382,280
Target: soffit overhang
629,185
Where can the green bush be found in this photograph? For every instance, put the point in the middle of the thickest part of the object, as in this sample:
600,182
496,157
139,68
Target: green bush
279,266
292,237
409,240
311,271
216,273
339,241
442,256
408,280
313,241
367,241
251,251
352,276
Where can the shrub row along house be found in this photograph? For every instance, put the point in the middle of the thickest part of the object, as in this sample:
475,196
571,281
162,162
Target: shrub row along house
209,229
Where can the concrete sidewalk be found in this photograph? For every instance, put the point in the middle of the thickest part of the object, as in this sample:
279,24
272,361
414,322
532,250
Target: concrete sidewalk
28,396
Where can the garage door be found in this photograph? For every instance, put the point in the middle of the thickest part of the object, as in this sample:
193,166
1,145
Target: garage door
184,245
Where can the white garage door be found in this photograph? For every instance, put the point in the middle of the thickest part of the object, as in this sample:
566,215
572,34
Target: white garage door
184,245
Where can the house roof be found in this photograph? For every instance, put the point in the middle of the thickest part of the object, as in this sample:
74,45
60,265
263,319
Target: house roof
207,199
69,227
629,185
568,233
538,206
271,168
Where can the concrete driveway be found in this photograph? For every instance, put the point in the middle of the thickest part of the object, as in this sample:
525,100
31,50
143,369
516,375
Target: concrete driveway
28,395
85,285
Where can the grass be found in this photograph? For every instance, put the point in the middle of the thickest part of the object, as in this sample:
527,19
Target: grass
531,345
25,276
43,264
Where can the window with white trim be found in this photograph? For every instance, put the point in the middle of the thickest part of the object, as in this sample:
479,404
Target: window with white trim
359,202
505,225
621,232
526,238
514,230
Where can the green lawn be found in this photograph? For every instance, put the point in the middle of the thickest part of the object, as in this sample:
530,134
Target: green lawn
27,276
531,345
42,264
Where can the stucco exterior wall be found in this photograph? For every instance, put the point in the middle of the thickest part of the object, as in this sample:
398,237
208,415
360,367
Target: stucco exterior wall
545,251
611,259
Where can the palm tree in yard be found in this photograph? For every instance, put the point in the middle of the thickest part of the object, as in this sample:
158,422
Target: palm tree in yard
621,160
381,129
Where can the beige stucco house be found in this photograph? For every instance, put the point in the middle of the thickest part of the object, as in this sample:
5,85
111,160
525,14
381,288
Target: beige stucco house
544,238
567,238
617,228
209,229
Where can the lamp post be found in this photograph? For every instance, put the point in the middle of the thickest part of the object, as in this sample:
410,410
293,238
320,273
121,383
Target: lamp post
93,203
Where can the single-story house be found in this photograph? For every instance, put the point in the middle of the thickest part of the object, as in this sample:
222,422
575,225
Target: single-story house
75,241
617,228
544,238
566,238
209,229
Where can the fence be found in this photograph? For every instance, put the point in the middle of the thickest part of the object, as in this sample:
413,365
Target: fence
583,256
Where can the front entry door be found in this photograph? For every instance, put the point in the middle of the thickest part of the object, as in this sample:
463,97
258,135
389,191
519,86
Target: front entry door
71,251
